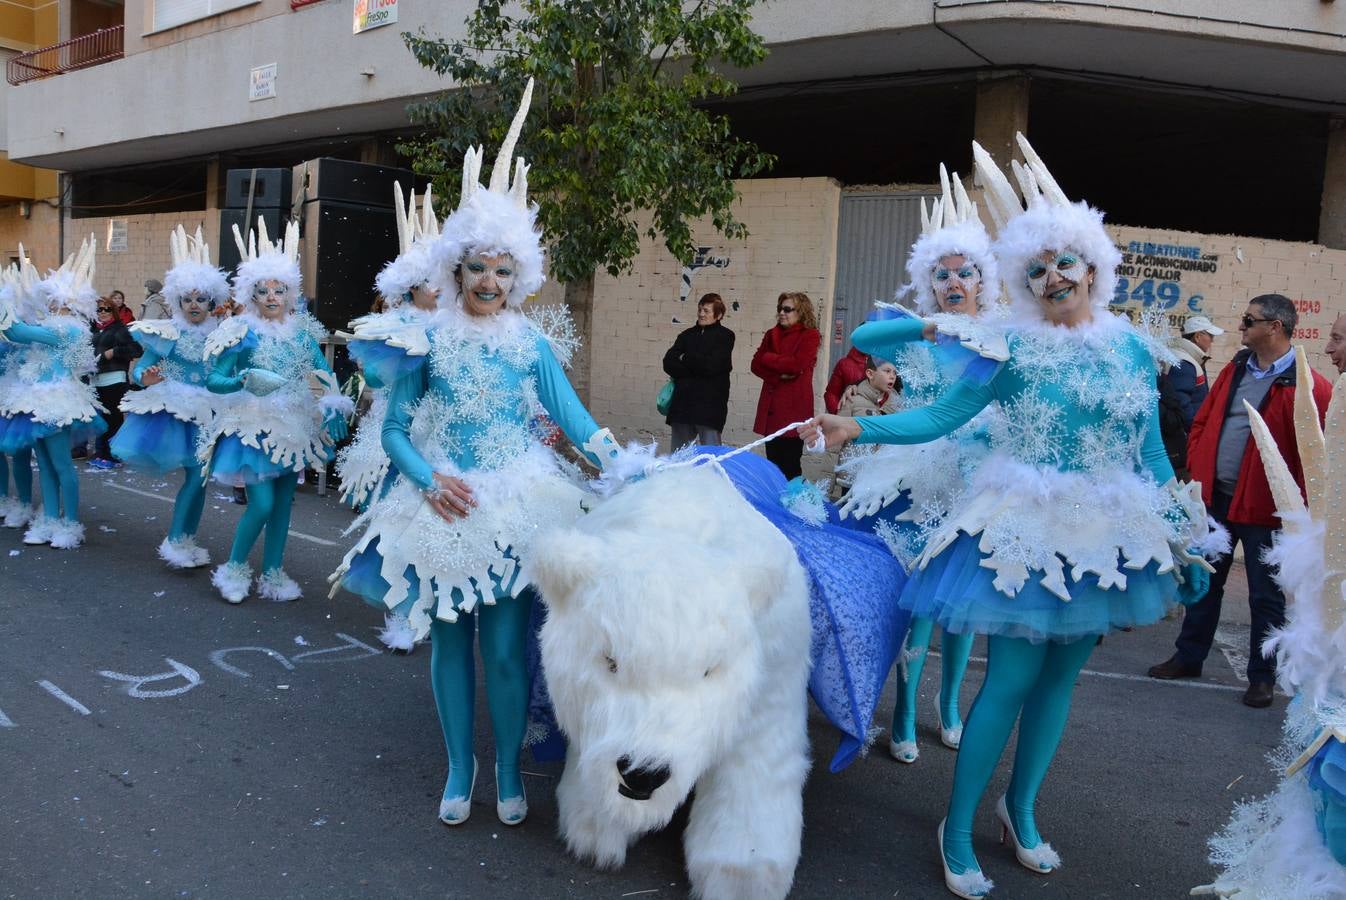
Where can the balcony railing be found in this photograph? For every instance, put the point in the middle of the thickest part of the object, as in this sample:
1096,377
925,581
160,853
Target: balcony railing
86,50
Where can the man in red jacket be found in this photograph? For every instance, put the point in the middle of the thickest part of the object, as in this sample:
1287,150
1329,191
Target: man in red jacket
1223,457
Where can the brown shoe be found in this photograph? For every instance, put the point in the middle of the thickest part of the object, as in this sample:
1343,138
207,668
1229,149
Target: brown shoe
1258,695
1174,668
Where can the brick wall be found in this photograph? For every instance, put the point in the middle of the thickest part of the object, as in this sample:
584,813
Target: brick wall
791,247
146,254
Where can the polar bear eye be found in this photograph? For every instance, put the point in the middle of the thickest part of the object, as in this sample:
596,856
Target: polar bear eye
711,671
612,663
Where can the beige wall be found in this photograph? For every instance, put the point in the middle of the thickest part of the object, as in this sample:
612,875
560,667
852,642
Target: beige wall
147,254
38,233
792,246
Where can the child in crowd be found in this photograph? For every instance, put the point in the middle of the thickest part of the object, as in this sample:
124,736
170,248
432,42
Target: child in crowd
874,395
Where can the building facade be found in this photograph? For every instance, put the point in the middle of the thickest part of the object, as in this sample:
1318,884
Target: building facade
1208,130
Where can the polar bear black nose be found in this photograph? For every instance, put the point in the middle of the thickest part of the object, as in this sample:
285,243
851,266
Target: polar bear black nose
639,783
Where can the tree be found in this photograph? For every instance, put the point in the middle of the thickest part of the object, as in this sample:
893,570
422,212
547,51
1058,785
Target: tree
618,125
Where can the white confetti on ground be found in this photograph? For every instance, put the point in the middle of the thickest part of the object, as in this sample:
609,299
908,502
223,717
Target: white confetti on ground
299,639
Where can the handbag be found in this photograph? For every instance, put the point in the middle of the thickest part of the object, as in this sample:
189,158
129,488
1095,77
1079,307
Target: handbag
664,401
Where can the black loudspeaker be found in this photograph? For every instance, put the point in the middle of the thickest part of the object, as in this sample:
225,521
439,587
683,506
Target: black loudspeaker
353,182
271,189
345,246
229,258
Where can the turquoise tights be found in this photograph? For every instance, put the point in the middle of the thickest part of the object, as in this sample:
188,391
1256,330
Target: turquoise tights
23,476
504,638
56,472
189,505
954,651
1025,682
269,505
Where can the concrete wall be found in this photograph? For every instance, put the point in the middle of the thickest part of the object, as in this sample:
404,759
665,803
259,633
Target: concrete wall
38,233
146,255
792,247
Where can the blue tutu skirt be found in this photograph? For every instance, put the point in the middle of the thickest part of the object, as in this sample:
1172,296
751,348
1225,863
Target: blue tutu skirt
955,590
159,441
22,431
232,462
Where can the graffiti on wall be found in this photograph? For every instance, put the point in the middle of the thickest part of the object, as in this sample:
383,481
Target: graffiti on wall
702,259
1164,278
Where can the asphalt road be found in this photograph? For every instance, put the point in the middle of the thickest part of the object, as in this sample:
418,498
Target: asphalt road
155,742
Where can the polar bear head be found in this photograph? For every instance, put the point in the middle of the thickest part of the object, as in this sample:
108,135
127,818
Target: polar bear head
667,609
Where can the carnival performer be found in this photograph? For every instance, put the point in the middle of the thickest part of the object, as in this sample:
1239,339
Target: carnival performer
1291,844
404,288
16,509
913,488
271,357
444,548
164,422
49,409
1073,526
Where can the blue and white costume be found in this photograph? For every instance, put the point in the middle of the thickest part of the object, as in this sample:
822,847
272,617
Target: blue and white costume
466,389
16,509
274,427
904,492
1072,526
47,407
1291,844
362,466
164,421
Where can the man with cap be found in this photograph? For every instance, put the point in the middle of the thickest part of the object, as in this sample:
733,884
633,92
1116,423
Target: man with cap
1187,377
154,306
1234,487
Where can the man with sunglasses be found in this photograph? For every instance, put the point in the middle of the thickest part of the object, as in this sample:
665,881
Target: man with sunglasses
1222,456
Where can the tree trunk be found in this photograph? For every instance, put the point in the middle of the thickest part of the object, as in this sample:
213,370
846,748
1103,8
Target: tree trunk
579,299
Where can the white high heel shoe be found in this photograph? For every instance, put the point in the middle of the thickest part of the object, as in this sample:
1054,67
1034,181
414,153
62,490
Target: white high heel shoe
970,885
904,752
949,737
455,810
1040,860
514,810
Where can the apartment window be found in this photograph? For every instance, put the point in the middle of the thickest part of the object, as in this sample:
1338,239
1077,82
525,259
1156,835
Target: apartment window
170,13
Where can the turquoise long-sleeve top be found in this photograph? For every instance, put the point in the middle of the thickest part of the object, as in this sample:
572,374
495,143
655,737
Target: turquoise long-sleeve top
292,358
180,361
487,403
69,343
1076,405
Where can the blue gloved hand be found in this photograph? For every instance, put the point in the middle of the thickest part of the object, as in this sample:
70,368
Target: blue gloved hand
336,427
1196,584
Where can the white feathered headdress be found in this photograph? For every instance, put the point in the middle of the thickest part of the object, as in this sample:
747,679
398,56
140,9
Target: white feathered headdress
416,234
950,228
1047,220
494,220
71,286
191,271
264,261
29,302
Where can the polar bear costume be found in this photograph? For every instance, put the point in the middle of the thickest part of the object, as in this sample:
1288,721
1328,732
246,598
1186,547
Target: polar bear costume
676,648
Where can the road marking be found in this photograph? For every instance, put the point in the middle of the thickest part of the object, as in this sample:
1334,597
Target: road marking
298,534
1144,679
64,697
1232,639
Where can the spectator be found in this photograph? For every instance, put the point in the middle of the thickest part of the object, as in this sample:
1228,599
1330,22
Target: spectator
848,371
874,395
1182,387
1234,485
123,311
1336,344
114,348
785,362
699,362
154,306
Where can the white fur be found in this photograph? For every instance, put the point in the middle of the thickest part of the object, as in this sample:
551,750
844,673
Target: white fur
490,224
232,580
267,267
968,239
412,269
274,584
183,553
1078,227
702,607
40,531
19,515
397,633
186,277
67,534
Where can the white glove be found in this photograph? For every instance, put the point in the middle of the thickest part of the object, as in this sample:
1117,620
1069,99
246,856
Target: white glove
261,382
858,506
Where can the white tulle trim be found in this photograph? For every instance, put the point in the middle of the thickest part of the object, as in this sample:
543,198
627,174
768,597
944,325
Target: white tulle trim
184,553
186,402
67,534
275,585
286,425
397,633
232,580
362,465
55,403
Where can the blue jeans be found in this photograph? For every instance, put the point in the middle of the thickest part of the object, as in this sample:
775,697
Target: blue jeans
1265,600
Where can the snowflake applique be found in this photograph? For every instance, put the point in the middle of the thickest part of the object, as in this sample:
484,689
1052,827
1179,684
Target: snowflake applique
1131,396
1031,429
920,375
499,444
554,322
1101,447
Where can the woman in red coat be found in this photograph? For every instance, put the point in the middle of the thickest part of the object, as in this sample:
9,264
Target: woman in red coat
785,364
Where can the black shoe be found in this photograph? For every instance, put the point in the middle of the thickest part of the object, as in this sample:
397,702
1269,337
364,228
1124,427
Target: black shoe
240,496
1174,668
1258,695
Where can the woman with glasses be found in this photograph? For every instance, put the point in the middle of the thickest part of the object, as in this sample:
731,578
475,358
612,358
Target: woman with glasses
164,421
1074,524
50,409
785,362
113,349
